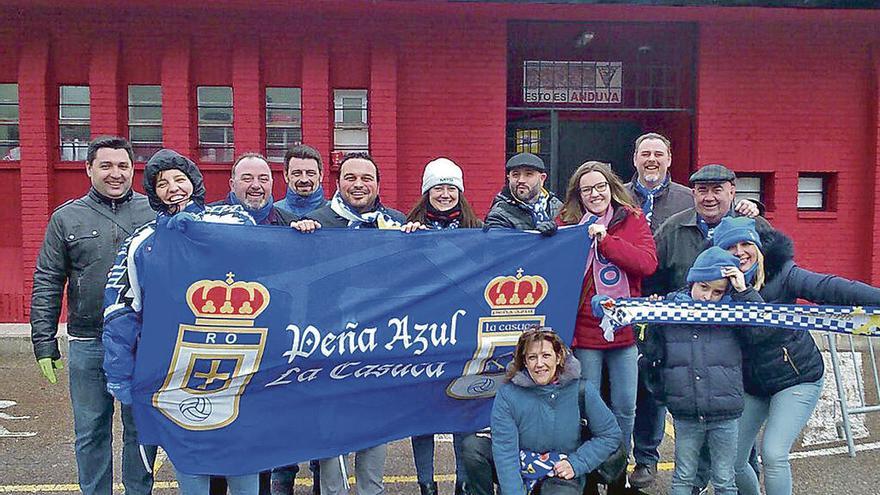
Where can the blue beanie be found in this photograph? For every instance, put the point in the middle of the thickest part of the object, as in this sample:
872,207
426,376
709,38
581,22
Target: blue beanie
709,263
732,230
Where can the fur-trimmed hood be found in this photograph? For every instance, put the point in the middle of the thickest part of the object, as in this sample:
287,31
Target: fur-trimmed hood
571,372
166,159
778,249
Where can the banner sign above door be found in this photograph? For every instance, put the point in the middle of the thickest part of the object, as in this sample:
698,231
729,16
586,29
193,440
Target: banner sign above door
574,83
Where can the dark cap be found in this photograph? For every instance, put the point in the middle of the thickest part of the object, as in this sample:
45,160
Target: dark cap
525,160
713,173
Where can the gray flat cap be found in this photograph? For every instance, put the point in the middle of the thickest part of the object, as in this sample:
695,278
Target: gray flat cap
713,173
525,160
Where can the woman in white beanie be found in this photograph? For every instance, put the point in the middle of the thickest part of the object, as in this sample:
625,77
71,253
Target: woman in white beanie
442,205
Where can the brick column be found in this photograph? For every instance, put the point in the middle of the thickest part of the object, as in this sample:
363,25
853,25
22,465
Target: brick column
106,87
178,104
382,103
248,106
38,153
875,131
316,105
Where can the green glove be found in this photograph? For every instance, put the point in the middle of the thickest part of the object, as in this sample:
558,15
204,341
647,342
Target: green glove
48,367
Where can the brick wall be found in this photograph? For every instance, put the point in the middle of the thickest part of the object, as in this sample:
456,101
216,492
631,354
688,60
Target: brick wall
791,98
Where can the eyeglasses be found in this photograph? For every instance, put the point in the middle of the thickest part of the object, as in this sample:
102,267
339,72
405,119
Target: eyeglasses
599,188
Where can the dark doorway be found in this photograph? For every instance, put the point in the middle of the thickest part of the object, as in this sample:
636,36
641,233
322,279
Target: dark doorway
609,142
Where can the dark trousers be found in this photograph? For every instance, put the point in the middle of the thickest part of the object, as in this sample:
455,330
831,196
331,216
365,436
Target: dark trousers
476,457
649,425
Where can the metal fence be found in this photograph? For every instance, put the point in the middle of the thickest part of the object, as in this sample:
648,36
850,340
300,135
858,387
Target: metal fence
855,345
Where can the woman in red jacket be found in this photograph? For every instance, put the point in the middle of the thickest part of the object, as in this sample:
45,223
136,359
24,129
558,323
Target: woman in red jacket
622,254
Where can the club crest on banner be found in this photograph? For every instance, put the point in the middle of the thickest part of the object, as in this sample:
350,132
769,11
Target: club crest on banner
215,358
513,300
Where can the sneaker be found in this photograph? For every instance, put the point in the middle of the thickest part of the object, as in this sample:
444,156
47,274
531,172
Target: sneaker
643,475
700,491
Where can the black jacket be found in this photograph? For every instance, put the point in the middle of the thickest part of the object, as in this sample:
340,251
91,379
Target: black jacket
508,213
79,248
701,366
775,359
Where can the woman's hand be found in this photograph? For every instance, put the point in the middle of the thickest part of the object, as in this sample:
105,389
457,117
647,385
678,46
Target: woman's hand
410,227
735,276
597,232
655,297
563,470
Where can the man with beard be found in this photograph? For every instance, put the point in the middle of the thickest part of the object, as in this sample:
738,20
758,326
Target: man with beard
81,242
303,171
355,205
251,187
524,204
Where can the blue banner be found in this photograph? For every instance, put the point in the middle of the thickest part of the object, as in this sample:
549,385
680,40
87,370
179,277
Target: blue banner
264,347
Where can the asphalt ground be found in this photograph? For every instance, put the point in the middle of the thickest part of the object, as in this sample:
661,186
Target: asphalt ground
44,461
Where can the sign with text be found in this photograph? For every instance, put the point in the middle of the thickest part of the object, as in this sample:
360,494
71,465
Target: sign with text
572,82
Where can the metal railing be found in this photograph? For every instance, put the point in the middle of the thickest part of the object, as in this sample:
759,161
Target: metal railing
863,407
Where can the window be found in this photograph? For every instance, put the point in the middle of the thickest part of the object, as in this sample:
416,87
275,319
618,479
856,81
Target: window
9,145
283,121
350,129
145,120
73,122
528,141
750,187
813,191
216,142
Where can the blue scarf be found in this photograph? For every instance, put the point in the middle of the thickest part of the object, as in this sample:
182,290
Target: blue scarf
261,215
540,209
704,227
648,196
536,466
303,205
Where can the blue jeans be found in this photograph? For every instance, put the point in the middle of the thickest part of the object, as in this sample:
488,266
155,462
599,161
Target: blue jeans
200,484
93,426
786,413
648,427
623,372
423,457
690,436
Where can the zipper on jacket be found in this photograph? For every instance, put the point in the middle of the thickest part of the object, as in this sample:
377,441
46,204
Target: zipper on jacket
786,358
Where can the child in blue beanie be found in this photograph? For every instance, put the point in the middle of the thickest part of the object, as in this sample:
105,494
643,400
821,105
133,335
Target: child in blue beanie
701,370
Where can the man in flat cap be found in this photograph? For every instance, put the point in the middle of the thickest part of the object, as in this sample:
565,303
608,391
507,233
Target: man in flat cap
523,203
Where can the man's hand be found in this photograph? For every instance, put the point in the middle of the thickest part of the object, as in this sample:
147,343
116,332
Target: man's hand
563,470
547,229
410,227
48,367
306,226
747,208
597,231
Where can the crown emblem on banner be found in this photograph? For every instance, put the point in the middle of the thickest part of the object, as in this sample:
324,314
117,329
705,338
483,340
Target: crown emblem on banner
516,292
227,302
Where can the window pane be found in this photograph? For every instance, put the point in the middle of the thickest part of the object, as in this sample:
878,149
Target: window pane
150,134
142,153
276,155
74,132
216,155
276,116
9,132
215,115
283,136
75,112
75,95
810,184
9,93
144,94
740,195
215,135
809,200
10,152
748,185
283,97
215,95
352,117
145,114
351,138
9,112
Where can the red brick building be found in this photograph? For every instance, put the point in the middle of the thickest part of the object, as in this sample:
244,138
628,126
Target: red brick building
786,97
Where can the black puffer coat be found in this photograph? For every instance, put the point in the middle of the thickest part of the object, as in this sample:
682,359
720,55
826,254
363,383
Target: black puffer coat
508,213
775,359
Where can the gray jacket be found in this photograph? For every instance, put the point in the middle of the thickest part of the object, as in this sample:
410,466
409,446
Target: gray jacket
509,213
81,242
671,200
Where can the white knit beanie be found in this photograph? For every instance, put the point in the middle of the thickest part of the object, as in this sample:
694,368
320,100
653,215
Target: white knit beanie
442,171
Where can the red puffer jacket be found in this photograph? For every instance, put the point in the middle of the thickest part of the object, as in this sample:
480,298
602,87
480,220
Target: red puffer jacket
630,246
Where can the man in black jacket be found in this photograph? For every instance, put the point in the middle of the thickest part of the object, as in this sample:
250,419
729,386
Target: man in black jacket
81,242
524,204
